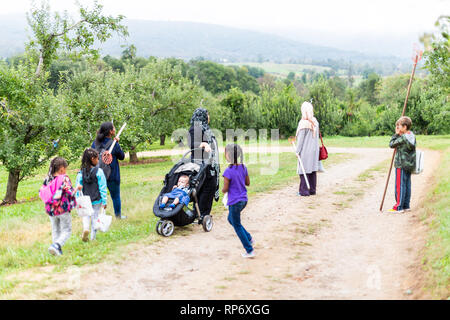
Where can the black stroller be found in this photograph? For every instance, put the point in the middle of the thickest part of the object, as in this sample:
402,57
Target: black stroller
182,215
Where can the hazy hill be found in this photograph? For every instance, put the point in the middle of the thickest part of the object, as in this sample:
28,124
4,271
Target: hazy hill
189,40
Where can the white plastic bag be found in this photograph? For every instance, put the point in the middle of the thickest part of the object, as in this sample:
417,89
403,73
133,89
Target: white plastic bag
84,205
321,168
103,222
420,159
225,200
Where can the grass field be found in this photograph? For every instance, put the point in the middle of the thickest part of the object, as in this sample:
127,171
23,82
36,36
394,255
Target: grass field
282,69
25,232
436,213
438,142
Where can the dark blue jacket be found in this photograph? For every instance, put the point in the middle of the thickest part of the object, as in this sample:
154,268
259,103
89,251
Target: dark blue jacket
117,154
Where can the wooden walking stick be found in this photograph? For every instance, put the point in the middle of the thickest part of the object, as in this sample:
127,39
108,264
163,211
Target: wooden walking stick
416,57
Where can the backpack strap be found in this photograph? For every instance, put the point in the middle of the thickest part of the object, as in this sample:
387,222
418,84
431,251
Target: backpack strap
106,146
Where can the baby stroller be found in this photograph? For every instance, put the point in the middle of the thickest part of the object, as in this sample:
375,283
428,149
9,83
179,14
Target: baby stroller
182,215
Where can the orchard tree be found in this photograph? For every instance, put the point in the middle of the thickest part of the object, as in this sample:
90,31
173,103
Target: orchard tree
436,97
437,54
75,36
30,125
173,97
33,125
280,107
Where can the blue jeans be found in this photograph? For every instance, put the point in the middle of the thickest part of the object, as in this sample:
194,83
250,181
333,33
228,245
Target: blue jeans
114,191
234,218
402,189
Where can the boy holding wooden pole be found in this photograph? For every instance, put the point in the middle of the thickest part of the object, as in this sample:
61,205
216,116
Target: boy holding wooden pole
404,141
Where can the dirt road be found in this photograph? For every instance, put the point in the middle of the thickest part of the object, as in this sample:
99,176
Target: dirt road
335,245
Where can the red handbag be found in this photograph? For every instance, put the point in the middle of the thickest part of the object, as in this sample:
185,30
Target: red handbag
323,153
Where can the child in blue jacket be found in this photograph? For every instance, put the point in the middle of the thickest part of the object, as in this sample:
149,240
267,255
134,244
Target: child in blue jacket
92,181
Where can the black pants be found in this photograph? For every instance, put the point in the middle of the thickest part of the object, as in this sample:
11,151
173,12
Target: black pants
206,194
303,188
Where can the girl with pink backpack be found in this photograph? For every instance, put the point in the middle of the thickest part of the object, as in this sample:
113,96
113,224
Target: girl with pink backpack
58,196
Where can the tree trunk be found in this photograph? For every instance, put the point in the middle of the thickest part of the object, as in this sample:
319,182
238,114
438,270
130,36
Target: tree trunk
162,140
11,188
40,65
133,155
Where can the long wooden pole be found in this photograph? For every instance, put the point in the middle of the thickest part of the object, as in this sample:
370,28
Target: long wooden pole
403,113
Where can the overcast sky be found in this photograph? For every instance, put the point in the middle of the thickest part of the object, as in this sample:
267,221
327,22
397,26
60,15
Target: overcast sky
375,16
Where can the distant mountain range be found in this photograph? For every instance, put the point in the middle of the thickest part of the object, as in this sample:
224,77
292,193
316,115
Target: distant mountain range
188,40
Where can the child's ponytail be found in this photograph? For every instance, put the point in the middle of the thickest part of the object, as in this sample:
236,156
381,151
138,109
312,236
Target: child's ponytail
88,154
55,164
235,152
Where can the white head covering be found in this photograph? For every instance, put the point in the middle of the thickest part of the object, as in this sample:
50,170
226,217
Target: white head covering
308,121
307,111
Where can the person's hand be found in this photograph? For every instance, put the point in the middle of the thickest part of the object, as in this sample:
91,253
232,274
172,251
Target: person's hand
104,206
206,147
79,187
117,139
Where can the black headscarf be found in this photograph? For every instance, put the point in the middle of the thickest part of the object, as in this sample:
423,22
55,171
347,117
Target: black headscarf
200,115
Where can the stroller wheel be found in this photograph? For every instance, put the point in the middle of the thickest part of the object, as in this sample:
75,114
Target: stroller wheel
167,228
207,223
158,226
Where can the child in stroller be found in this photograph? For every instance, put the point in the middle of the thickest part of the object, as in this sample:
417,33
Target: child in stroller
178,193
174,210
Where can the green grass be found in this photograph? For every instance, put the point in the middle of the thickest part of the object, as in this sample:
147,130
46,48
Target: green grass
438,142
437,214
282,69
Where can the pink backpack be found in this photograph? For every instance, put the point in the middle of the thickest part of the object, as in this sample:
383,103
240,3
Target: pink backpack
49,189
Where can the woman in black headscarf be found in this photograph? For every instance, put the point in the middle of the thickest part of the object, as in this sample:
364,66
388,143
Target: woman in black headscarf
201,136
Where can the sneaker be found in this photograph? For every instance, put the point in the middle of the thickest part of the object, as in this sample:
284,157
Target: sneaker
55,250
121,217
249,255
85,236
407,210
394,211
162,205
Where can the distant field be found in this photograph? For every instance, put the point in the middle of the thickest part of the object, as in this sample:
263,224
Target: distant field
281,69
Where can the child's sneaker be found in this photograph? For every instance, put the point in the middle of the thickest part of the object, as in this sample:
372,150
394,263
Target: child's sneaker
85,236
162,205
55,250
394,211
249,255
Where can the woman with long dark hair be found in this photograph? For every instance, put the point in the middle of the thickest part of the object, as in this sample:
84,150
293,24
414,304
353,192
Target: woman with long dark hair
102,142
201,136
